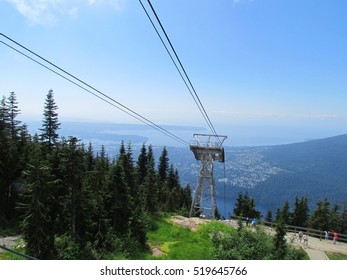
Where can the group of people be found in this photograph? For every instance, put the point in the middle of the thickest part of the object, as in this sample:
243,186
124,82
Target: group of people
334,233
303,237
253,222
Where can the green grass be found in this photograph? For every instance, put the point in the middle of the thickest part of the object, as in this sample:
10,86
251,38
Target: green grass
179,243
19,247
336,256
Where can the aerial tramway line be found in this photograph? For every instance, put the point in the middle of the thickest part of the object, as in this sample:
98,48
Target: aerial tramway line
206,148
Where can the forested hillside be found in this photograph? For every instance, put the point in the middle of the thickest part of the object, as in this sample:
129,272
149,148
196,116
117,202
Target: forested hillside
70,202
314,169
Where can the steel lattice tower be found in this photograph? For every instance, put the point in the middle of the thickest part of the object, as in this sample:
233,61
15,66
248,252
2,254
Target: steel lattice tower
206,148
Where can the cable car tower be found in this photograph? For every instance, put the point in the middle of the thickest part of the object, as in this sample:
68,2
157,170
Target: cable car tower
206,148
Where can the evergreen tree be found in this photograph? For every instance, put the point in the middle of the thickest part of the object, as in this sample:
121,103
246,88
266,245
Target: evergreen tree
173,190
120,206
100,189
163,171
142,165
278,215
186,199
268,217
238,209
335,218
279,240
4,149
286,215
13,112
10,155
163,167
344,218
320,217
150,188
245,207
127,163
301,212
72,170
50,124
38,226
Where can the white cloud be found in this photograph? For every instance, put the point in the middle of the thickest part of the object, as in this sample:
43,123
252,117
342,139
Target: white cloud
35,11
47,11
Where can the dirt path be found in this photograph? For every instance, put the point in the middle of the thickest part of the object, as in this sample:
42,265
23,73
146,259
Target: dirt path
8,241
317,248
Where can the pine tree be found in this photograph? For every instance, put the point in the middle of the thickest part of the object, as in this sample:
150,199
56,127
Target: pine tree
238,209
50,124
320,217
72,170
120,203
186,200
335,218
38,226
245,207
149,188
286,213
13,112
4,148
268,217
10,155
344,217
279,240
301,212
142,165
163,167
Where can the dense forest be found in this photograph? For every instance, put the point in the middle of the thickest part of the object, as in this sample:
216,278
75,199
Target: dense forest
72,202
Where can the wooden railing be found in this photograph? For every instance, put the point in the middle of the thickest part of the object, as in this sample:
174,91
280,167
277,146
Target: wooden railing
295,229
310,232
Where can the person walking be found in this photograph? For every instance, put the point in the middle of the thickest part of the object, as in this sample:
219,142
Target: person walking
300,236
247,221
326,235
305,238
335,236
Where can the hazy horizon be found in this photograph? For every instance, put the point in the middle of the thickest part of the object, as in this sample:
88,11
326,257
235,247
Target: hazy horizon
238,135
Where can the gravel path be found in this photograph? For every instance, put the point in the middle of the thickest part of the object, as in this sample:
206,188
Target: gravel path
8,241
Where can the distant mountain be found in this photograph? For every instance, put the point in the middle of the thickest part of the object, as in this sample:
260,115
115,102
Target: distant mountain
315,169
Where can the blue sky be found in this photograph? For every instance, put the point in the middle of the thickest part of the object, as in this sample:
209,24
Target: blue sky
277,68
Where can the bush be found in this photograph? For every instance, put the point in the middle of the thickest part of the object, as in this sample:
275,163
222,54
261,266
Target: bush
67,248
243,245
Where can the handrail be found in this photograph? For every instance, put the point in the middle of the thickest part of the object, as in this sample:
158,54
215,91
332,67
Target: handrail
310,231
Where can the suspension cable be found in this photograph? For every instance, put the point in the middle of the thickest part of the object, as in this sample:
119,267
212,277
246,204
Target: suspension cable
104,97
191,88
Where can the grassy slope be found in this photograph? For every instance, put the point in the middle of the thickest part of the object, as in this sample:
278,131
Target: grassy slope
182,244
336,256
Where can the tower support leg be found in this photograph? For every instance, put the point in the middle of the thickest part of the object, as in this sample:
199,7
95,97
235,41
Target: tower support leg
204,200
